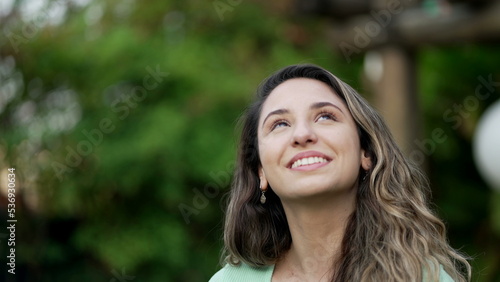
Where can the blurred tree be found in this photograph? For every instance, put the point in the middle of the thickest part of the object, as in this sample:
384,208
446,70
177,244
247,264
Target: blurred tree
457,85
119,117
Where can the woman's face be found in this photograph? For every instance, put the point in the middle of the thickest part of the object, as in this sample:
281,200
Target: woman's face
308,142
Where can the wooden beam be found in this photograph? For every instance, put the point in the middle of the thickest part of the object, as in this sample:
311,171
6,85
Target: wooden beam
409,26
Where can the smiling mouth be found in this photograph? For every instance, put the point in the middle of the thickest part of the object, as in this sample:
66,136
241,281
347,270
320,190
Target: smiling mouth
308,161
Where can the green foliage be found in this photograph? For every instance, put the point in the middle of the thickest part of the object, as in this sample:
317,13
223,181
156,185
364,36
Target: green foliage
112,202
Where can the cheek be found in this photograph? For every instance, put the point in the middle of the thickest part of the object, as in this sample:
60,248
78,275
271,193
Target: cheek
347,142
270,146
265,154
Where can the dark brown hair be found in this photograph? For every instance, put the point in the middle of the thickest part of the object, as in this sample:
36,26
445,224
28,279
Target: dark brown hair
391,236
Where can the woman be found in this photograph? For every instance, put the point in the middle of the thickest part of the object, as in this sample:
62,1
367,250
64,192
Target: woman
321,192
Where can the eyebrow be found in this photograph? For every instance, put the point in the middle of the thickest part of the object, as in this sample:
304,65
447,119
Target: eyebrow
324,104
314,106
276,112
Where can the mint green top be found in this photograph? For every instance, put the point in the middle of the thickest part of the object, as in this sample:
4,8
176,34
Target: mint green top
246,273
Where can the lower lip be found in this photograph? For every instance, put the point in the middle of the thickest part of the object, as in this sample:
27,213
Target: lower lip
310,167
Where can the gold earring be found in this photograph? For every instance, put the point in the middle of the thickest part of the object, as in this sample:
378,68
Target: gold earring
262,197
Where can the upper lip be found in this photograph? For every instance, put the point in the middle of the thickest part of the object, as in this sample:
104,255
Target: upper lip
307,154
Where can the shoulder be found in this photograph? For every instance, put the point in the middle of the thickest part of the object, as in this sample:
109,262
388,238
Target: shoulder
243,273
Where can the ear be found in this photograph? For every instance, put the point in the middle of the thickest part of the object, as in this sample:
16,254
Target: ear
263,180
366,161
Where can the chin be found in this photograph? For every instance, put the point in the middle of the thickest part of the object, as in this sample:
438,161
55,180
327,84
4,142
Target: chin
307,191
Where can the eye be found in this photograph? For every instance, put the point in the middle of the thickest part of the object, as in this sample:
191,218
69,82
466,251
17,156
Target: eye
326,116
279,123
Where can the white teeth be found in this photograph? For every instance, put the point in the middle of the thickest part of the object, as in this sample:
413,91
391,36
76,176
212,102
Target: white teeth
308,161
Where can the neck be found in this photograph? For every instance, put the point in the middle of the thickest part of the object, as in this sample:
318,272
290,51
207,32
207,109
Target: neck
317,228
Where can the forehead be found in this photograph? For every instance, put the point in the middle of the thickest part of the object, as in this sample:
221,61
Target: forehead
300,93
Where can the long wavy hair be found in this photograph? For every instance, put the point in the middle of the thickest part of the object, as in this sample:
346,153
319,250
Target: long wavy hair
392,235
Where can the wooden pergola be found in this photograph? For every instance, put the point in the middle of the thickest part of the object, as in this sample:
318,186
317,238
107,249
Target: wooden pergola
389,32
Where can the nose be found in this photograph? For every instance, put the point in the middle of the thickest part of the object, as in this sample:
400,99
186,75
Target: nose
303,134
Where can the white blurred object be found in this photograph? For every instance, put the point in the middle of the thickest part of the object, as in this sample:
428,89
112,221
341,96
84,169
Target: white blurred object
374,66
487,146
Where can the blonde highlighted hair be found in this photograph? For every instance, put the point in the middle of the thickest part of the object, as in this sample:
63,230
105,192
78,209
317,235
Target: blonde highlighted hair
392,235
